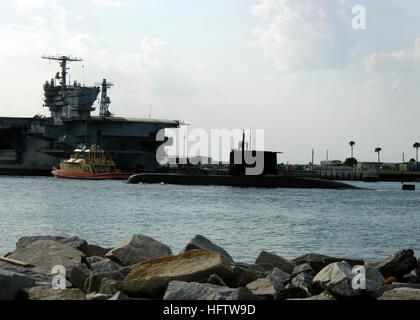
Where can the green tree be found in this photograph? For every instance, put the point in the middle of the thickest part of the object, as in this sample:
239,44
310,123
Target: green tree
350,162
417,146
352,143
378,151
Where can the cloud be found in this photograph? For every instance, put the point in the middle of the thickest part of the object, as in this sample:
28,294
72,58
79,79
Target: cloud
107,3
29,4
397,69
304,34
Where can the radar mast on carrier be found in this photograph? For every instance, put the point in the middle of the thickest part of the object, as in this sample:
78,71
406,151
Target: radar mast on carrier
105,100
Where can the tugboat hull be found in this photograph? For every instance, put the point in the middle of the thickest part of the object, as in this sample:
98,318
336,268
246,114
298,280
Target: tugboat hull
91,176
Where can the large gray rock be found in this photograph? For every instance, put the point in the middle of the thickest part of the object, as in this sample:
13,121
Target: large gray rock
96,251
200,242
94,281
11,282
262,270
108,286
374,279
401,294
399,264
74,242
290,292
48,293
337,277
150,278
45,254
104,266
77,275
262,288
138,248
417,272
94,259
323,296
98,296
276,261
241,277
304,281
277,278
180,290
121,296
40,279
320,261
382,290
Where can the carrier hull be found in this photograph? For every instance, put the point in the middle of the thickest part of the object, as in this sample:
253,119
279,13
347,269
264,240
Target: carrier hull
32,146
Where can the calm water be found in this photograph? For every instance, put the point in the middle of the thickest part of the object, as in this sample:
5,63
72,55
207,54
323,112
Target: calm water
368,224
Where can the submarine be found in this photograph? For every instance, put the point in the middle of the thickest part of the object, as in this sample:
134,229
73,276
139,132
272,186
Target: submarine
238,177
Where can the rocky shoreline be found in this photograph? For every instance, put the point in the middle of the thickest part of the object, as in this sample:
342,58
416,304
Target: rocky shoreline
141,268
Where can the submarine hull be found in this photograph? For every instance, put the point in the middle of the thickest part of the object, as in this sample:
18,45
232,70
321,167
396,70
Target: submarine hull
239,181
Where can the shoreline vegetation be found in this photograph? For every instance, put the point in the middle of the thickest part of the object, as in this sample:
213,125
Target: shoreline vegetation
141,268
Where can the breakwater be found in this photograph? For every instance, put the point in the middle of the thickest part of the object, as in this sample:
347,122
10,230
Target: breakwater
141,267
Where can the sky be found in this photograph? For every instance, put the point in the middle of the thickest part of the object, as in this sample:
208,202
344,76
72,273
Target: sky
295,68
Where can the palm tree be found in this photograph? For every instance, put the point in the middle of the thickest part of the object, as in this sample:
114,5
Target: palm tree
378,150
352,143
417,146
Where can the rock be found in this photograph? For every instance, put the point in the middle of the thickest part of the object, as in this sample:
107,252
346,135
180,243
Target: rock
399,264
108,286
98,296
390,280
93,259
96,251
11,282
138,248
74,242
277,277
48,293
306,267
378,293
417,271
104,266
215,279
401,294
262,270
320,297
337,277
78,274
410,278
150,278
200,242
120,296
40,279
304,281
319,261
93,282
241,277
180,290
262,288
45,254
290,292
276,261
374,279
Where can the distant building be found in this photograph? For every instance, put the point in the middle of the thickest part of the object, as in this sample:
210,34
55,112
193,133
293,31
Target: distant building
331,163
368,166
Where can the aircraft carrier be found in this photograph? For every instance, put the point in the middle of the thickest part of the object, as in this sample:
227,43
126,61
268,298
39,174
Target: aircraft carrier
32,146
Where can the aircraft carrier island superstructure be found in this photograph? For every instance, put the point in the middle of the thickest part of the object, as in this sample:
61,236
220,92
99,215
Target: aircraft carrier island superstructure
32,146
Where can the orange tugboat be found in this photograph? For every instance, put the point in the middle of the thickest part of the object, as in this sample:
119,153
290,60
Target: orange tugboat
90,162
